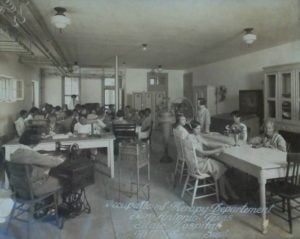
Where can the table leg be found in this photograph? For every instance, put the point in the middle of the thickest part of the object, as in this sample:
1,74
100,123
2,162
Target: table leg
262,190
111,160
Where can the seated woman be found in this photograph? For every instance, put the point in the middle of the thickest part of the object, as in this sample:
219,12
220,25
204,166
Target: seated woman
82,128
208,165
120,118
237,127
53,127
41,182
270,138
180,126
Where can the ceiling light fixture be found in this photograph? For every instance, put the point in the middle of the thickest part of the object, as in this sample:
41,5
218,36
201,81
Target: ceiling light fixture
60,20
249,37
144,47
76,68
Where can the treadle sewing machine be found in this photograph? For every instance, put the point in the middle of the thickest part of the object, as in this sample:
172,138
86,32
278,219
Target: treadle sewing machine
76,173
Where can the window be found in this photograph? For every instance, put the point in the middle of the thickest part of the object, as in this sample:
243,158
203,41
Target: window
11,90
109,91
71,87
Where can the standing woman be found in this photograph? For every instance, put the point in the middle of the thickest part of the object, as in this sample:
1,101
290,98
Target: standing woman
203,115
207,165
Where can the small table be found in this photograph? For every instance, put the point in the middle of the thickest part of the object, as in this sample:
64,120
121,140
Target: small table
262,163
105,141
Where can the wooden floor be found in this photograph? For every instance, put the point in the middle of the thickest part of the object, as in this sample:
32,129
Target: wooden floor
116,216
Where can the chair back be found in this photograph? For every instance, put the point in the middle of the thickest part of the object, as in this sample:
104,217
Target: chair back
189,154
124,131
19,180
179,148
293,168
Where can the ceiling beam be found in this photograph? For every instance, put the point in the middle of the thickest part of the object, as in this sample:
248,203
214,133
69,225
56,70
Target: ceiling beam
40,20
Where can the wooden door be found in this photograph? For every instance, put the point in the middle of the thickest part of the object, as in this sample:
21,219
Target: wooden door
147,100
137,101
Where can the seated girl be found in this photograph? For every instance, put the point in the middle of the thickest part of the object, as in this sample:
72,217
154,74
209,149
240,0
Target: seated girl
237,127
180,126
208,165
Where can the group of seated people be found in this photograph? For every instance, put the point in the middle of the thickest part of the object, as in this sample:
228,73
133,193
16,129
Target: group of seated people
82,120
194,133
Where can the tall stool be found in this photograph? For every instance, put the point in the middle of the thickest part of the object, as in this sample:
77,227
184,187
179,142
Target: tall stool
140,151
180,167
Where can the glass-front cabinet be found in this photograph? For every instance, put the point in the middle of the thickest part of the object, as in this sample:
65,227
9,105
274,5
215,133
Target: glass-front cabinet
282,96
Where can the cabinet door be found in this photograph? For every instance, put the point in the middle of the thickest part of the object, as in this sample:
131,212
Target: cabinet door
151,81
297,96
137,101
270,95
147,100
286,97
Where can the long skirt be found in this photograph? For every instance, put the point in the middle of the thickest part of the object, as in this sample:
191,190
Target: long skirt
212,167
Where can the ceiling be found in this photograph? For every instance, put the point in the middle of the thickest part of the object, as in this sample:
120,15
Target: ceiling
180,33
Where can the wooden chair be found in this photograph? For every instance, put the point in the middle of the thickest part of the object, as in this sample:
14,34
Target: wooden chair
24,199
288,191
140,151
124,131
195,179
180,161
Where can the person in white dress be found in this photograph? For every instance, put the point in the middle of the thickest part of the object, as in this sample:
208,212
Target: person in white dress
208,165
180,126
237,127
82,127
20,123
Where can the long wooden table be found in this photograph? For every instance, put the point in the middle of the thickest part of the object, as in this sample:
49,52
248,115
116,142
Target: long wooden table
262,163
105,141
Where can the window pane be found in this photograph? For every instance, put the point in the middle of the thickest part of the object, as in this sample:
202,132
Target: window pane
286,110
109,81
272,86
286,85
109,97
272,109
71,86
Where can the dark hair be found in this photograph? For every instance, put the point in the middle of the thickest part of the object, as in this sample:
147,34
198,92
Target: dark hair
82,115
69,112
34,110
202,101
30,137
23,113
194,124
178,116
120,113
73,96
235,113
57,108
148,111
142,112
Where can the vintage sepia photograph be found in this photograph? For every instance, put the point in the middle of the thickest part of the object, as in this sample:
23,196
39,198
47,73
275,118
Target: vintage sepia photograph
148,119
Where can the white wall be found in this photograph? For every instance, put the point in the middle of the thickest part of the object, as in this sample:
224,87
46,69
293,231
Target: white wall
136,81
52,92
10,66
243,72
